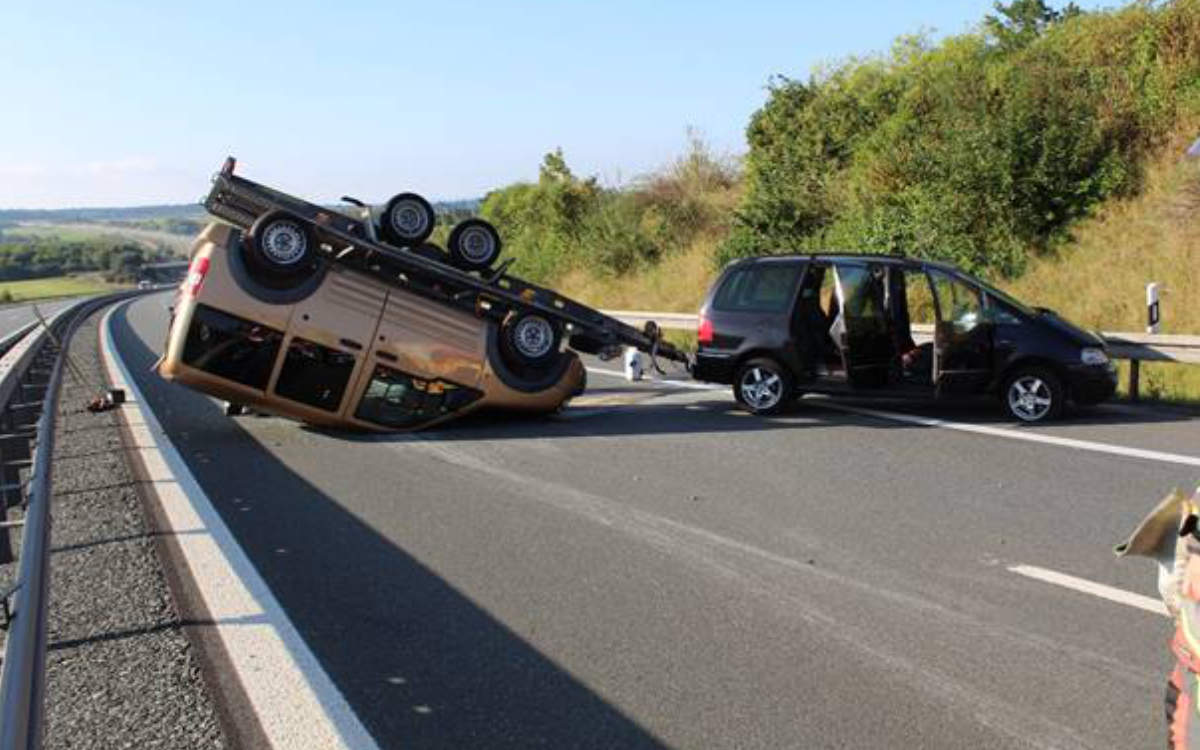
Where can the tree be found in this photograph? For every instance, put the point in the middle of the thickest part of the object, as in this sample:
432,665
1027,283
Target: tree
1022,21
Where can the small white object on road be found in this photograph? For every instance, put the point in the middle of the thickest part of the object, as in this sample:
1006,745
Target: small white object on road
634,367
1111,593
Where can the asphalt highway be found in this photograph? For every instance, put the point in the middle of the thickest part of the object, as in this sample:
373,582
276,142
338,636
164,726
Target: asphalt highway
13,317
653,568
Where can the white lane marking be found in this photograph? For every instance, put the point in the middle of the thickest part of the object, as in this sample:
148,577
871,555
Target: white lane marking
1111,593
979,429
296,702
1033,437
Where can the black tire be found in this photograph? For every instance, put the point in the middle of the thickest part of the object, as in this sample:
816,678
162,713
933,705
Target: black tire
474,245
407,220
530,339
1033,394
763,386
281,249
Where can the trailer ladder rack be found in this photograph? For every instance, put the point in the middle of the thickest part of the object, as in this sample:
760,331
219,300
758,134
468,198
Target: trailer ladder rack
346,241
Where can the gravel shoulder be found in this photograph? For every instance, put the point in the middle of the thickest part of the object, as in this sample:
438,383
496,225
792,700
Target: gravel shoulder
121,668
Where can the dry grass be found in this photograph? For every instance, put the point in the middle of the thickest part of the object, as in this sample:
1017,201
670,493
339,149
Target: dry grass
1099,278
677,284
59,286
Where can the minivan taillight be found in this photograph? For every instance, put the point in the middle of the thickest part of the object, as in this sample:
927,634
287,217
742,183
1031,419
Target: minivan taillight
704,334
195,277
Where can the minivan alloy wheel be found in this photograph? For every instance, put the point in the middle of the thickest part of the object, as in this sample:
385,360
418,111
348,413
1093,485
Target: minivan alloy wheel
284,242
1029,398
761,389
533,337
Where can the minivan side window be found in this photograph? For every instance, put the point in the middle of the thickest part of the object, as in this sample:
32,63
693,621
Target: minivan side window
960,304
314,375
231,347
762,287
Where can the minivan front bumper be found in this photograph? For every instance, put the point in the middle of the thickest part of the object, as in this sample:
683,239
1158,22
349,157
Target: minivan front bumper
1091,384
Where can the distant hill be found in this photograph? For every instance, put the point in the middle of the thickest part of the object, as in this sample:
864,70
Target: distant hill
167,211
125,213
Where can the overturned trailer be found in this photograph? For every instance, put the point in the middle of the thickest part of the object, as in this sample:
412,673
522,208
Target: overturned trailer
351,318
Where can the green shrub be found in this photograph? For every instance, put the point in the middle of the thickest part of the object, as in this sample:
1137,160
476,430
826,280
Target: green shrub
975,150
563,222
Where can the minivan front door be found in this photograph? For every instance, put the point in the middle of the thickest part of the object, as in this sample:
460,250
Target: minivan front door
962,337
862,329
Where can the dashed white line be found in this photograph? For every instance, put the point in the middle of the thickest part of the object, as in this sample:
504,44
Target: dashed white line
295,701
979,429
1111,593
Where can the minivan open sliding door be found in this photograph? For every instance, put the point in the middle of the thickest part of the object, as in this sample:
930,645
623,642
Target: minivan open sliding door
861,327
962,341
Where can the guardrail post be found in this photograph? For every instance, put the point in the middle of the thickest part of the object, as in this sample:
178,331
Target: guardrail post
1134,367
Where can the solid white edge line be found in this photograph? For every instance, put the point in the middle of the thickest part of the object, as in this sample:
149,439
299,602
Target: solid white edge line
1033,437
979,429
1113,594
294,699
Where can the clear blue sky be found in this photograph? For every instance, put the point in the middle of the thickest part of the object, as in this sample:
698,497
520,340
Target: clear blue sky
120,103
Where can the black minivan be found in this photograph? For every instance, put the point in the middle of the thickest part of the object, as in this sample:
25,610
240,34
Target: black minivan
775,327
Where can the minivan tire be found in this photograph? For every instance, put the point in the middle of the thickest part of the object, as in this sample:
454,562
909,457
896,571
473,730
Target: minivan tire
1033,394
763,386
530,339
282,248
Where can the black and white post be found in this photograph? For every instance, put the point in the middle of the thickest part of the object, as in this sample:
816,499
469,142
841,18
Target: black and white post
1153,312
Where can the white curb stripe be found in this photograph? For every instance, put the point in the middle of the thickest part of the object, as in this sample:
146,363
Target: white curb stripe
979,429
296,702
1120,596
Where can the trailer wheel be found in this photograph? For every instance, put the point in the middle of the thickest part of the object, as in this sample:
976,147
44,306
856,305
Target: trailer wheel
530,339
474,245
282,248
407,220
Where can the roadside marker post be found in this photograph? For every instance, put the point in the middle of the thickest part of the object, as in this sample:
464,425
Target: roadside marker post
1153,313
1153,319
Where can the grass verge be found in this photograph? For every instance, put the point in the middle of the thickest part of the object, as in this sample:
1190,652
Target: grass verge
59,286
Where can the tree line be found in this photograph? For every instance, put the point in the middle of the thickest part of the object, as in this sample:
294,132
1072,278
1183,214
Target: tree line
978,149
43,258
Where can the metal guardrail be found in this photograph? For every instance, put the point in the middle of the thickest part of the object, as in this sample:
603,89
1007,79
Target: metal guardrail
30,376
1134,347
9,341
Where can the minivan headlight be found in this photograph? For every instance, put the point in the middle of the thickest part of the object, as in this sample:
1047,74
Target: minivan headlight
1093,356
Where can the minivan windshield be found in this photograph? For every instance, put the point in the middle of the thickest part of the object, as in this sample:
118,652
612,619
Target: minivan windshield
1005,298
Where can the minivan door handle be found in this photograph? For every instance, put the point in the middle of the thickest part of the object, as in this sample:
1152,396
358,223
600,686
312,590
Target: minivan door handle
351,344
